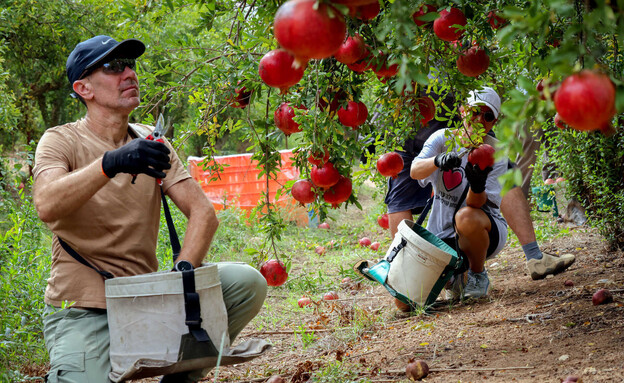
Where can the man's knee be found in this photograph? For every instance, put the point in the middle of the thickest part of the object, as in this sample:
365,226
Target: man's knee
469,219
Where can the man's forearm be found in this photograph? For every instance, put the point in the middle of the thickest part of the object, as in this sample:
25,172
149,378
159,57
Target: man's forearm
198,237
422,168
57,194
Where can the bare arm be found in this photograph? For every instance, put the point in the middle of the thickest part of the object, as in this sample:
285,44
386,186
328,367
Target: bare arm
476,200
202,219
57,193
422,168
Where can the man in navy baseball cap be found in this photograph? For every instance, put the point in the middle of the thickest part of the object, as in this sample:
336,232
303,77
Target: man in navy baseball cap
91,54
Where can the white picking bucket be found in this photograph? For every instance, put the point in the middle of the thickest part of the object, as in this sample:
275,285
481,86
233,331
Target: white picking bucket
421,266
146,317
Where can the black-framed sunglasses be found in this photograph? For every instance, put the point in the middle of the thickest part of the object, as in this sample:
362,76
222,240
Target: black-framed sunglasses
487,116
118,65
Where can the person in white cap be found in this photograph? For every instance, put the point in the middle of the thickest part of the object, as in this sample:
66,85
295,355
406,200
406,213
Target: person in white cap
465,212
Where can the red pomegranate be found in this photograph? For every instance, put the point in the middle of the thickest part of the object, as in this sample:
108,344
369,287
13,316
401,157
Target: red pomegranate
336,97
355,114
496,21
482,156
303,191
586,100
367,11
423,10
274,272
559,122
385,71
443,25
338,193
325,175
276,70
473,61
242,98
353,49
354,2
390,164
308,31
363,64
426,109
317,159
383,221
283,118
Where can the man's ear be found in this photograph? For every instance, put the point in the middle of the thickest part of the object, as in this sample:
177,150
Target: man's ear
83,88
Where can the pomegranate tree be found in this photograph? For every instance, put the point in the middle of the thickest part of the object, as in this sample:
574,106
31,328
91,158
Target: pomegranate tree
586,100
353,49
325,175
338,193
545,85
363,64
473,61
283,118
423,10
354,115
303,191
482,156
276,70
390,164
444,27
309,30
274,272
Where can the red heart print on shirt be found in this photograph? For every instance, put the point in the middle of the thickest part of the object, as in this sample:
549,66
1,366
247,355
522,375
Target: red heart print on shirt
452,179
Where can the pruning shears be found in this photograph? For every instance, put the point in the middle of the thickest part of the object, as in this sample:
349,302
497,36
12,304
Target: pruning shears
157,135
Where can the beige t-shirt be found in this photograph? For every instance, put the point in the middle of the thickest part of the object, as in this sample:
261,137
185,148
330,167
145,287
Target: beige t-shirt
116,230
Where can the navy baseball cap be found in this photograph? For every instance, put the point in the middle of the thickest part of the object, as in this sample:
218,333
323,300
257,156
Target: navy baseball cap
98,50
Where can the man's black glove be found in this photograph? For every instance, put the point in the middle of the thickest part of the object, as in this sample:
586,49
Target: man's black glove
137,156
477,177
447,161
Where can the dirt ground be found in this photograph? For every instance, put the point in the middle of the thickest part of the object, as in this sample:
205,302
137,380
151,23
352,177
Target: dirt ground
525,331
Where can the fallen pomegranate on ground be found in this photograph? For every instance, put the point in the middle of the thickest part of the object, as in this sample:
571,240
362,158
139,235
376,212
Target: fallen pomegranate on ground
274,272
304,301
573,379
417,370
601,297
365,242
375,246
482,156
323,225
320,250
330,296
568,283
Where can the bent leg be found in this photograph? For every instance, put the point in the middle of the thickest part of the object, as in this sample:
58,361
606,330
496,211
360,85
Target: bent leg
394,219
78,343
517,213
473,227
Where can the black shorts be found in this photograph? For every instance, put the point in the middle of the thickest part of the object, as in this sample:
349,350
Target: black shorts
493,235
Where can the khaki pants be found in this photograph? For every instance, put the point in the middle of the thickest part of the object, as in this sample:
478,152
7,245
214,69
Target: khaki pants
78,340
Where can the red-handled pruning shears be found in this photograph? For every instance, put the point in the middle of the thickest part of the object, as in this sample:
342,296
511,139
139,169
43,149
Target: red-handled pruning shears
157,135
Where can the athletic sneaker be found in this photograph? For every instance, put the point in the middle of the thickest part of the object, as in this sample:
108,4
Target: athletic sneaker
549,264
478,285
454,289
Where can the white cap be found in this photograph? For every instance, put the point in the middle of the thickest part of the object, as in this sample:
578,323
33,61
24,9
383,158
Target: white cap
485,96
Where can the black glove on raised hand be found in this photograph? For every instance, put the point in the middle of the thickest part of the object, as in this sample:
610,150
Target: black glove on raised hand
477,177
137,156
447,161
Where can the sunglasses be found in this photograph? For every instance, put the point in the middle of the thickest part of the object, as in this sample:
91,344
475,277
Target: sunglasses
118,65
487,116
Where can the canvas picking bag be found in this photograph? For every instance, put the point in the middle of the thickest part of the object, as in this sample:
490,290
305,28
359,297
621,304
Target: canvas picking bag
167,322
416,267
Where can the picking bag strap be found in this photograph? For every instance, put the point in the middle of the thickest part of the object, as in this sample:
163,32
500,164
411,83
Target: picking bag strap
464,263
192,307
173,234
396,250
80,259
425,211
